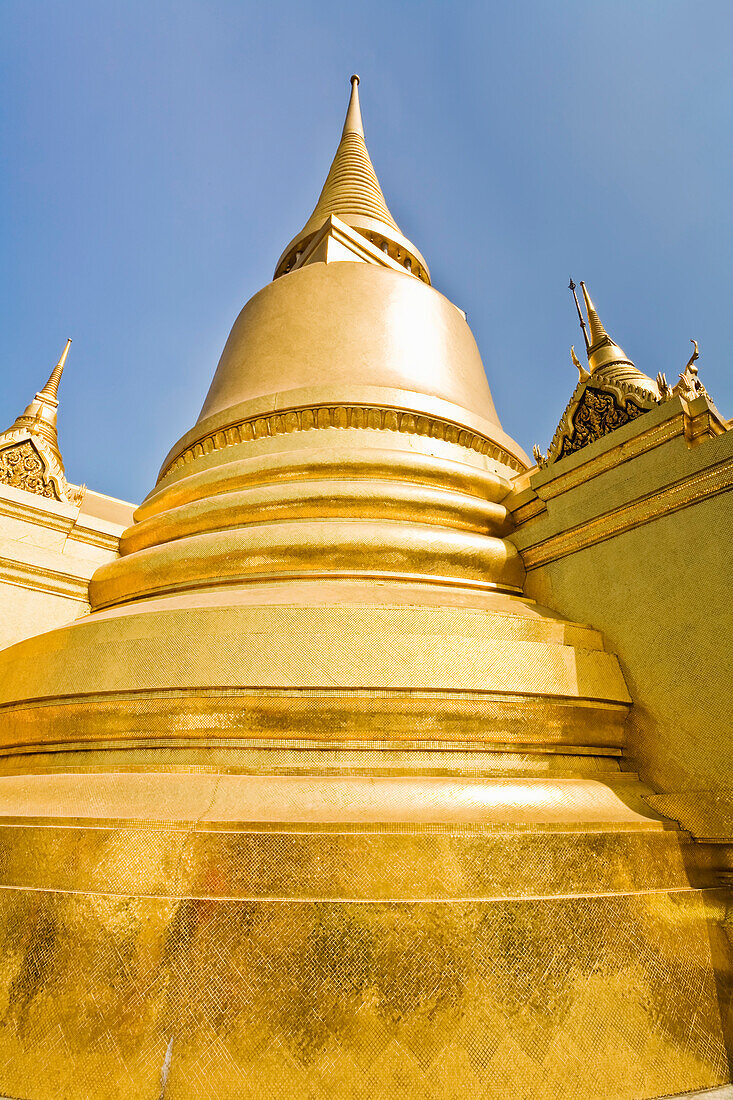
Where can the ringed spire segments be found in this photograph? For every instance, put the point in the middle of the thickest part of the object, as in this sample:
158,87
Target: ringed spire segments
353,194
51,389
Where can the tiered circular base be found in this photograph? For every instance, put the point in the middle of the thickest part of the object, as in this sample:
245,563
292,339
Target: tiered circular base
354,848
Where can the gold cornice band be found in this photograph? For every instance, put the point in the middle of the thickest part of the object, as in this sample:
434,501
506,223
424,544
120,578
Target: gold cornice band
301,756
387,861
719,479
374,417
271,551
318,500
47,580
316,464
596,465
158,719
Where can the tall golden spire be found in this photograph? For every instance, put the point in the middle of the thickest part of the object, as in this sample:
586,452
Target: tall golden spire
39,418
352,193
352,187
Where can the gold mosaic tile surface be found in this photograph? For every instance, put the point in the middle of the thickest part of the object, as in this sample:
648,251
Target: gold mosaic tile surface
445,864
573,998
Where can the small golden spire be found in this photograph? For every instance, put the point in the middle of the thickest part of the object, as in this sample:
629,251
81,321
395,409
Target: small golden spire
602,350
51,389
597,331
351,189
39,418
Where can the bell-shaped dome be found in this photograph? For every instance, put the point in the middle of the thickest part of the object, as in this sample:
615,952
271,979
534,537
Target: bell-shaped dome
350,332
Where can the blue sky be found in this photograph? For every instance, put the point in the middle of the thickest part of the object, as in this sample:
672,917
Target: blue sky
158,156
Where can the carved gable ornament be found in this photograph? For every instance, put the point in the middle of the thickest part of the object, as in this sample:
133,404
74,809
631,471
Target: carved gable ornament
23,467
609,398
28,463
592,413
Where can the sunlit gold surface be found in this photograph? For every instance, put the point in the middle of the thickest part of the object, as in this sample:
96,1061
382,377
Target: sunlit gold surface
316,803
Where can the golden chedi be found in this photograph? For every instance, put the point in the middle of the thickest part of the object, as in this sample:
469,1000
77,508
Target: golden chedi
316,803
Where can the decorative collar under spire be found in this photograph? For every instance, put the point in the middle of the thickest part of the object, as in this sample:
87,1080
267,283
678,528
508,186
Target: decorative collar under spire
30,458
352,193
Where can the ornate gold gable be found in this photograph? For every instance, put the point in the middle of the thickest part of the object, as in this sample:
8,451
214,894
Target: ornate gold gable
22,466
592,413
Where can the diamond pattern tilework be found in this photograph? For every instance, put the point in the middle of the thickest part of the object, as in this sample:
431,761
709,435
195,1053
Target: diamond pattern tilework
356,1000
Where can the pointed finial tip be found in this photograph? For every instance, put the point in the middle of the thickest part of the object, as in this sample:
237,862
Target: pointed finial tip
354,79
353,121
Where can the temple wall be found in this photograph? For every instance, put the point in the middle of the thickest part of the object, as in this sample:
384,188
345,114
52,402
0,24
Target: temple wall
48,552
632,535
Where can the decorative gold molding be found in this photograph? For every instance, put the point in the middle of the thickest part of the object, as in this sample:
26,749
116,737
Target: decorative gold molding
594,466
702,425
374,417
44,580
648,508
528,511
37,512
68,524
362,248
87,536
